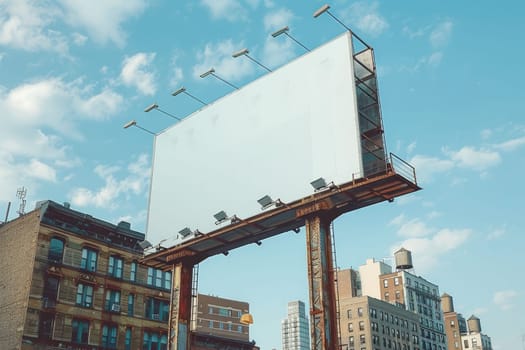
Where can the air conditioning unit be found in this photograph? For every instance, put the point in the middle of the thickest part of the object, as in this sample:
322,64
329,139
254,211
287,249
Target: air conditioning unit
115,307
155,317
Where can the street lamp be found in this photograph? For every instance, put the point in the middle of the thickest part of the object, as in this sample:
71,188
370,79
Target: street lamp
245,52
211,72
285,31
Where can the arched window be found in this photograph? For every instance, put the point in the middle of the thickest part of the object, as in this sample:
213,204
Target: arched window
56,250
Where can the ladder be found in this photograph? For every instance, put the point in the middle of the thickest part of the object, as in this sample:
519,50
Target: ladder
194,294
336,284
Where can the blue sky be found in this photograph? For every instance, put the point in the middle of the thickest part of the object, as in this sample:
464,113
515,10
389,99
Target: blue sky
451,84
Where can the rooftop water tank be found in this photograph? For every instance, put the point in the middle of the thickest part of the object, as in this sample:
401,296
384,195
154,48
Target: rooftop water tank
474,324
447,304
403,259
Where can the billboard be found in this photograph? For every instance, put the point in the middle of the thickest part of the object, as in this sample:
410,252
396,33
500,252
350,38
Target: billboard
271,137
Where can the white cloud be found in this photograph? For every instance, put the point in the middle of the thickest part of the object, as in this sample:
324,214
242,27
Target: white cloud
486,133
366,17
27,25
137,72
103,23
411,147
504,299
277,19
496,233
511,145
134,182
441,34
79,39
219,57
415,33
427,167
477,159
177,73
435,58
231,10
413,228
277,52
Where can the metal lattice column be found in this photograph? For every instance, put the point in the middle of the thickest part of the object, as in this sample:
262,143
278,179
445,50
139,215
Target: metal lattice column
180,307
323,320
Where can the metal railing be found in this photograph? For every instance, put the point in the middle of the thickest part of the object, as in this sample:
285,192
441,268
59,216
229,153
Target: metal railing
402,168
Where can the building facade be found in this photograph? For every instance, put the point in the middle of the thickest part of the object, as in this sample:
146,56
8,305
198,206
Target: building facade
371,324
294,329
221,317
71,281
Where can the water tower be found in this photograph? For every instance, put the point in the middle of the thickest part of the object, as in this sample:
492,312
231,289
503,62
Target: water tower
403,259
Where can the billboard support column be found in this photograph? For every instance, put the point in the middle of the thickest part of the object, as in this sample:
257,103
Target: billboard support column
323,318
180,306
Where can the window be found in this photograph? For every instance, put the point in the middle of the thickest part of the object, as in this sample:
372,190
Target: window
396,281
361,325
385,283
360,311
155,341
387,296
349,313
112,300
133,272
159,278
362,339
131,304
398,295
157,309
80,331
45,328
350,327
115,266
84,295
89,259
127,341
351,340
109,336
56,250
49,296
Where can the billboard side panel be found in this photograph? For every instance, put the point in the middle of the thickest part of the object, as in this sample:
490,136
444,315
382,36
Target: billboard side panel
272,137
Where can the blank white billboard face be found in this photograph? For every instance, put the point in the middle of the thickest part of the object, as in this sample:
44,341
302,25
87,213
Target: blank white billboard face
272,137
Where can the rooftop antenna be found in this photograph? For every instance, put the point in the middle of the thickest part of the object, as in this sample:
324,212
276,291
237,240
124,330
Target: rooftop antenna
21,194
7,212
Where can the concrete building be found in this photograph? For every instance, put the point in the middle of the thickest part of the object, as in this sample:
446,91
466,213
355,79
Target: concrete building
221,317
294,329
72,281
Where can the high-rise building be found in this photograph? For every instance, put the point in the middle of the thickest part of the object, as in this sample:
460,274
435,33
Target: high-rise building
294,329
459,335
371,324
71,281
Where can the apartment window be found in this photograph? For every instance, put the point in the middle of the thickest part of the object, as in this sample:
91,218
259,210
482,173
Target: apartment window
84,295
361,325
350,327
452,323
396,281
115,266
155,341
385,283
167,280
80,331
159,278
398,295
133,272
131,304
56,250
112,300
109,336
387,296
50,293
127,339
157,309
45,327
89,259
360,311
349,313
351,340
362,339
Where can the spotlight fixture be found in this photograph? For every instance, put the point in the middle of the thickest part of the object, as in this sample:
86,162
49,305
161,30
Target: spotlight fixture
183,90
285,31
185,232
211,72
321,10
245,52
320,184
267,202
297,229
145,244
258,243
134,123
151,107
156,107
225,253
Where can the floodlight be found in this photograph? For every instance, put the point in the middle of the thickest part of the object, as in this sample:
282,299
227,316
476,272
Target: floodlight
321,10
280,31
265,201
212,73
318,184
130,124
246,319
145,244
297,229
221,216
183,90
258,243
244,52
284,31
151,107
226,253
185,232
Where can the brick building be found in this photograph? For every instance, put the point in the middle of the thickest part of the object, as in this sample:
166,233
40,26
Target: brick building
72,281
